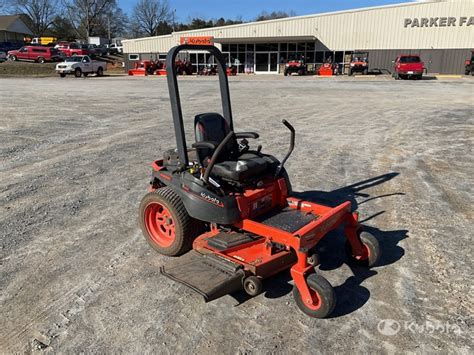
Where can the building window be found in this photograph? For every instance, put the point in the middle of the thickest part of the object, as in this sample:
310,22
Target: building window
133,57
319,57
339,57
267,47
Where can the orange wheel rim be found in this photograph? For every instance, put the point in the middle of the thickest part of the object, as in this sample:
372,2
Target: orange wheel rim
160,224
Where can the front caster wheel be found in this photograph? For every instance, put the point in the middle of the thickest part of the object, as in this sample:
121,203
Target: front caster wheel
373,250
253,286
323,296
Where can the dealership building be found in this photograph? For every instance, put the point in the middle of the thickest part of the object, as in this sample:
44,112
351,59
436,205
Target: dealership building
441,32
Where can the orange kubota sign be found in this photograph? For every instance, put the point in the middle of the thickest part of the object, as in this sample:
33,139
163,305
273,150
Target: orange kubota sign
197,41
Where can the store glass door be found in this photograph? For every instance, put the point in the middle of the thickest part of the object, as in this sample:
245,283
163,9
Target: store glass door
266,62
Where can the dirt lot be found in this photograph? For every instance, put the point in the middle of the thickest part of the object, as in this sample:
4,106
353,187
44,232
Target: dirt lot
77,276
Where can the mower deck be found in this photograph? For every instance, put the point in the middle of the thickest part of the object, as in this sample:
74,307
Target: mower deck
221,258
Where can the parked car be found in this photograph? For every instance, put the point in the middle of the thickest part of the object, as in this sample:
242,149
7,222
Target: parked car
61,44
92,48
72,49
102,49
408,66
111,50
80,65
470,65
117,48
37,54
3,56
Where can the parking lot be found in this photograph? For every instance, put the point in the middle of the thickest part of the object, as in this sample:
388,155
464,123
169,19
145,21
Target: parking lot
77,275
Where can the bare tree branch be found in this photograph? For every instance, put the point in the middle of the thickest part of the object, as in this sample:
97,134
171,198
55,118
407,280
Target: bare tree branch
87,16
149,14
41,12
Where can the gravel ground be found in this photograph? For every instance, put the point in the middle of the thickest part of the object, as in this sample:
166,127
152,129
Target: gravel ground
77,276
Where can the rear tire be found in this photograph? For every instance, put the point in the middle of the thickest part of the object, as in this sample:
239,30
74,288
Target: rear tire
161,211
41,60
350,73
322,289
78,73
100,71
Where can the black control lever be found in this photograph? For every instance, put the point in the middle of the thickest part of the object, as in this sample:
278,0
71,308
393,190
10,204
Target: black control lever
292,146
216,155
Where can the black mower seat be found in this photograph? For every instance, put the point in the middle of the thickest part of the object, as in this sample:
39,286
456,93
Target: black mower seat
232,165
248,166
240,170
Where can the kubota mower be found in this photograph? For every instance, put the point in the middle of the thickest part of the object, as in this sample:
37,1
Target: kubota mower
143,68
233,206
295,66
183,67
232,70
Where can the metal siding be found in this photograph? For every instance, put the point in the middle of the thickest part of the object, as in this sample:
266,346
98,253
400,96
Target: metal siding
377,28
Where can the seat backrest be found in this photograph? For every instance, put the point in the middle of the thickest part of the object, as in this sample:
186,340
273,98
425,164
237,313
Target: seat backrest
213,127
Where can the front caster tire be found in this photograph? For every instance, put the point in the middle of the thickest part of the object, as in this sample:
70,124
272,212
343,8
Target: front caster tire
165,223
373,249
253,286
322,292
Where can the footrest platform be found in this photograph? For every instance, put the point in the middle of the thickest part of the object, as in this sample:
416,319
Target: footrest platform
208,274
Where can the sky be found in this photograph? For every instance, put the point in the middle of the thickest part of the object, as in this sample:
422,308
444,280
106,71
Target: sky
249,9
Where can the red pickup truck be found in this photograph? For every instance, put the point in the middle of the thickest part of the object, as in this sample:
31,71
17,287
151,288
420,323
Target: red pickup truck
35,54
72,49
408,66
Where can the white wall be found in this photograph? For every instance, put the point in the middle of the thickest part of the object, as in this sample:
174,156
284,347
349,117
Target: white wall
372,28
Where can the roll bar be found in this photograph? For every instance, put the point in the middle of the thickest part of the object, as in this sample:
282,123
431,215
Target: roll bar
176,101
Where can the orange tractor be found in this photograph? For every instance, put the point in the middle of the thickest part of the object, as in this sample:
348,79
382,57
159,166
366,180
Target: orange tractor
148,67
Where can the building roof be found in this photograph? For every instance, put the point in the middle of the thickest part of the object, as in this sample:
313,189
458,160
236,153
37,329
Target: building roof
15,23
292,18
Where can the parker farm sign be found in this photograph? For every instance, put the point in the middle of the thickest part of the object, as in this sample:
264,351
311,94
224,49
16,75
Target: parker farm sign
439,22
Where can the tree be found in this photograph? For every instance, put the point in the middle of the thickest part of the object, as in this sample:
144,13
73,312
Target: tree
41,13
90,17
148,15
63,29
264,16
